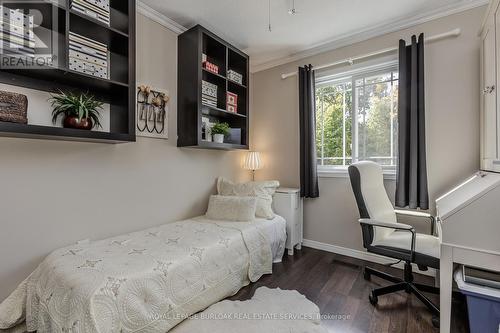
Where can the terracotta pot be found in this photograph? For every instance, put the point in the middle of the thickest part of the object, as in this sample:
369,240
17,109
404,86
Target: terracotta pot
74,122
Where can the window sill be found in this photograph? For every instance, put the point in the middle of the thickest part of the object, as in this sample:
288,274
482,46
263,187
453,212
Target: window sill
342,173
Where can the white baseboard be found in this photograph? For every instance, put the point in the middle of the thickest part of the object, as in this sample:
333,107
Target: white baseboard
371,257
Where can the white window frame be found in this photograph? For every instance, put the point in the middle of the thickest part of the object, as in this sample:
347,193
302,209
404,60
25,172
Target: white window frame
352,76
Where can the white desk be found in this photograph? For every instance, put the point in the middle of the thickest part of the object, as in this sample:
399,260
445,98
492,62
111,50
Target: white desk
469,225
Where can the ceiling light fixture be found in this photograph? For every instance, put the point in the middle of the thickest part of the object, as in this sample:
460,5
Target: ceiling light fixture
270,27
293,10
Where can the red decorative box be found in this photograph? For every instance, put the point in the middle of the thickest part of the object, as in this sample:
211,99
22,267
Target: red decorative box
232,108
211,67
232,99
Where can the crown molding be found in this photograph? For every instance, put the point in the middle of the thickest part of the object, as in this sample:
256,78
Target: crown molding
372,32
159,18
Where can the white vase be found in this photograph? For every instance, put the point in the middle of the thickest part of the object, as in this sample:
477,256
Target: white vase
218,138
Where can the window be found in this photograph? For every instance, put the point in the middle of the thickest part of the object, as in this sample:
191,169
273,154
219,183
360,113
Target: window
356,118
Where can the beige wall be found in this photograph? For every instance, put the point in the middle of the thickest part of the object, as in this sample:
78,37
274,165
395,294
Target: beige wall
452,96
55,193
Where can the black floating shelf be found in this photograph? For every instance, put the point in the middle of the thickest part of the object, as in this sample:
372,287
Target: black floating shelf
54,79
221,113
214,74
101,81
192,46
237,84
97,22
219,146
118,91
116,41
57,133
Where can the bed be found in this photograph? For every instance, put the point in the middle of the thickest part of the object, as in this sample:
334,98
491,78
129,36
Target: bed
147,281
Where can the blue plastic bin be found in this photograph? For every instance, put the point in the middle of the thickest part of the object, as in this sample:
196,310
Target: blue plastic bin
483,305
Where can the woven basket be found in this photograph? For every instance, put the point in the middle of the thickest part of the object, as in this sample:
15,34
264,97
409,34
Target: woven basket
13,107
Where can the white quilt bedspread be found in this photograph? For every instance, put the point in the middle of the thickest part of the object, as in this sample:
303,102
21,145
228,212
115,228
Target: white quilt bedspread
146,281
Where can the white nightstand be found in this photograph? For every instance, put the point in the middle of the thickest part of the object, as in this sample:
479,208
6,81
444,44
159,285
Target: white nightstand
288,203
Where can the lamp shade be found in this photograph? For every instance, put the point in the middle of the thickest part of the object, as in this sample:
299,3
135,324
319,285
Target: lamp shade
252,161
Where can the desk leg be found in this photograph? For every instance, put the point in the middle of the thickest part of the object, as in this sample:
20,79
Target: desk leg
446,282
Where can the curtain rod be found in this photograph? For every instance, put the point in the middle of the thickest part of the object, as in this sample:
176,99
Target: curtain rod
350,61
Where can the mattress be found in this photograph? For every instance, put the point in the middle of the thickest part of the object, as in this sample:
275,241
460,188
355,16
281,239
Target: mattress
146,281
275,230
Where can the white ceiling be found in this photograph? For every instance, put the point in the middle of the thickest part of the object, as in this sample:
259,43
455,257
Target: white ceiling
318,23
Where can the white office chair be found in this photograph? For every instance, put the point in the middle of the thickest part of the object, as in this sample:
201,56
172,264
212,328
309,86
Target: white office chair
382,234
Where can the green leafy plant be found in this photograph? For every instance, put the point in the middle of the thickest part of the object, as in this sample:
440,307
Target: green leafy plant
76,105
220,128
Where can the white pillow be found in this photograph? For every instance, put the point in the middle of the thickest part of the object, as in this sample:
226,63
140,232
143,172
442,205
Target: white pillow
264,192
236,209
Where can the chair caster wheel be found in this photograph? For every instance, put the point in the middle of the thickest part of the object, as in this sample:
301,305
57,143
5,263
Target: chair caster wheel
373,299
367,276
435,321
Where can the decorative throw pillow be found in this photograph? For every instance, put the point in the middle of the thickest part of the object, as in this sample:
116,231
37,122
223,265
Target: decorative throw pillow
264,192
236,209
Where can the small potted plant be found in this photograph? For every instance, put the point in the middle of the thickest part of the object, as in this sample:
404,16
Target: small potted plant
80,111
219,131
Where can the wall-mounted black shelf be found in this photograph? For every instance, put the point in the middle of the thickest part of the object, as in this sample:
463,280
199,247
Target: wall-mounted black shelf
56,133
219,146
118,91
192,45
222,113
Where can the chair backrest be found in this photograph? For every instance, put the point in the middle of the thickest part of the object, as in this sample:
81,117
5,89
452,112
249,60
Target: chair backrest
367,181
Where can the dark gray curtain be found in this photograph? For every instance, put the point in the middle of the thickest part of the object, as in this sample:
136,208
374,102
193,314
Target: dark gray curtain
307,111
411,186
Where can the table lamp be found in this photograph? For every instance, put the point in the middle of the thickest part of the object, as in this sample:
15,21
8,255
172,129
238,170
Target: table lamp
252,162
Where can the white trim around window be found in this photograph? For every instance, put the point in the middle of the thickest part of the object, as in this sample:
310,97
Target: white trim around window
339,172
355,79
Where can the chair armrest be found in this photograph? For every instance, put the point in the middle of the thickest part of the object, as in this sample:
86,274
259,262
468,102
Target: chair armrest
391,225
397,226
413,213
427,216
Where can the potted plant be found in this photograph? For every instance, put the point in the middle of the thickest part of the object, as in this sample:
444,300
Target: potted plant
81,111
219,131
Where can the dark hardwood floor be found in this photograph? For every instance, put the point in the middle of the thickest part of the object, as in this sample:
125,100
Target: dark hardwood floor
335,283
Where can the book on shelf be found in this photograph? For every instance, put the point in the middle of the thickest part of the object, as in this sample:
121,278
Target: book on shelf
98,10
212,98
103,4
90,51
208,89
88,68
232,98
88,42
235,76
88,56
213,68
208,99
232,102
209,103
16,40
16,33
